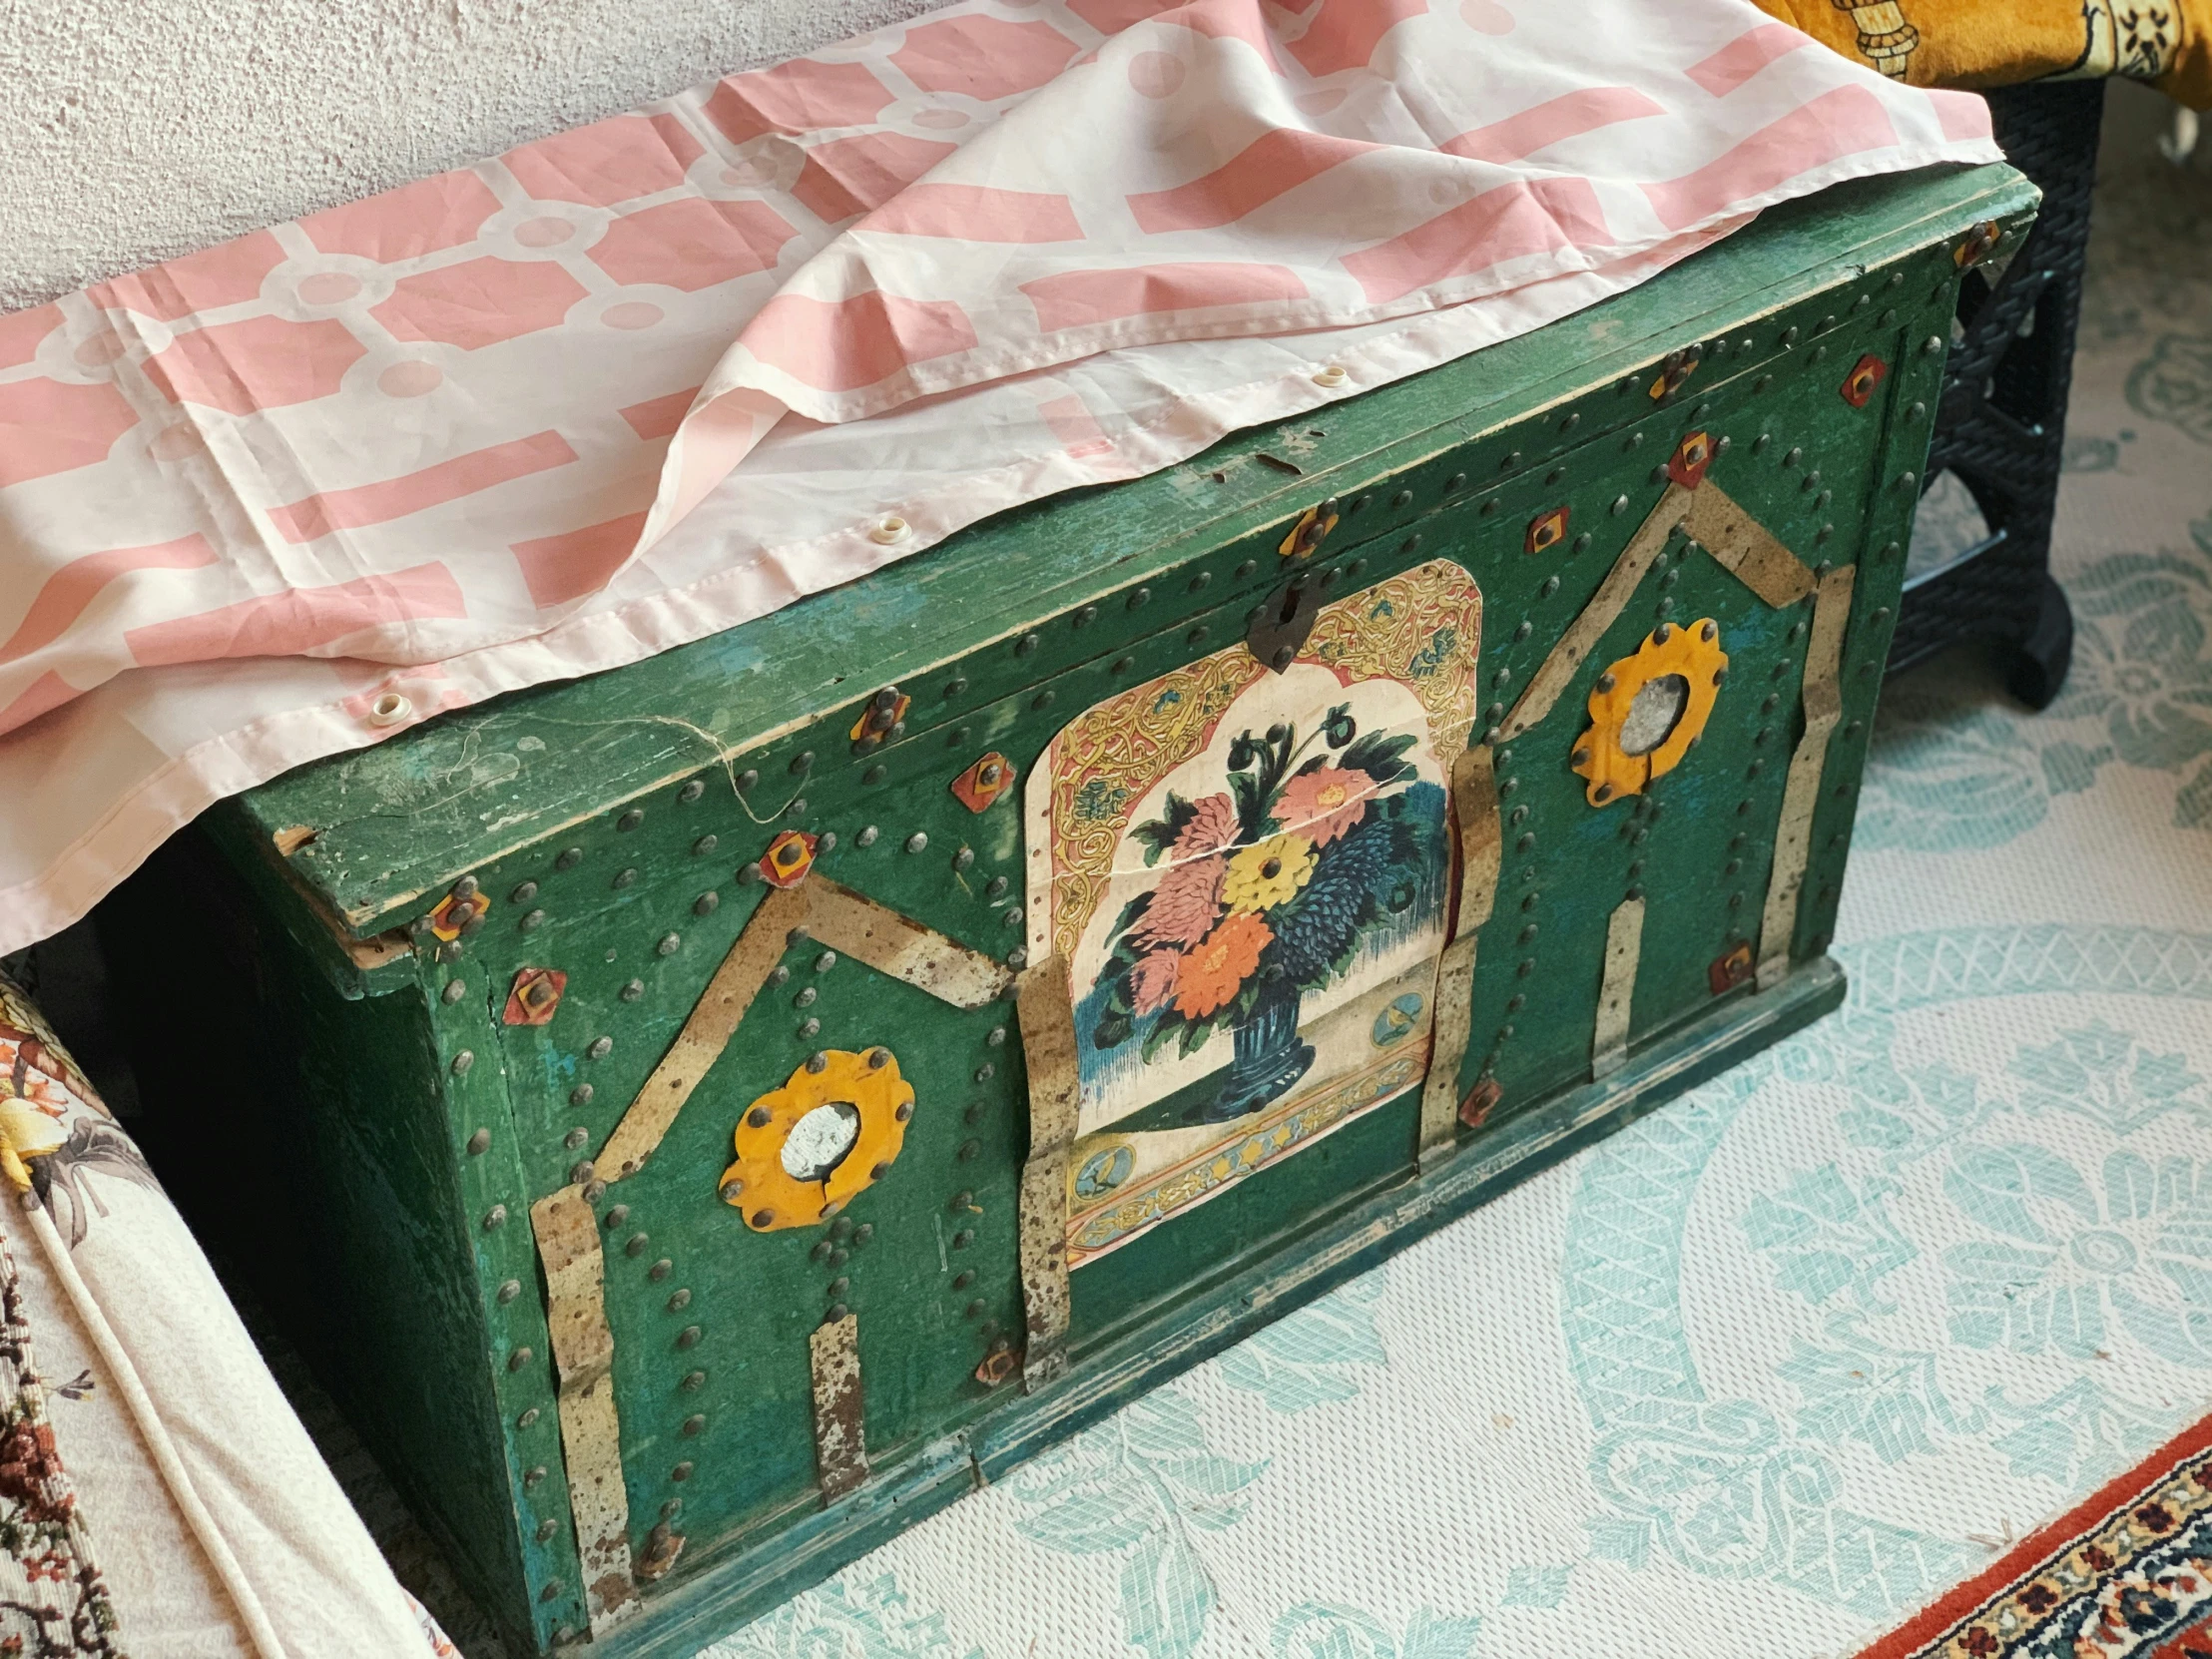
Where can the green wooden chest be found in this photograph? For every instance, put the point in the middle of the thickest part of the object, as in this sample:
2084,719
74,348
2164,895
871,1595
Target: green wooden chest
712,1114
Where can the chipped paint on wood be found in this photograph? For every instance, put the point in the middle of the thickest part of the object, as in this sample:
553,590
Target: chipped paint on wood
1558,667
1452,1003
591,1430
840,1438
1745,548
1624,944
1481,835
1802,795
1482,849
712,1020
891,944
1048,1048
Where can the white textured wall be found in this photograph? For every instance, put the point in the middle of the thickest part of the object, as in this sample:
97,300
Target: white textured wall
134,131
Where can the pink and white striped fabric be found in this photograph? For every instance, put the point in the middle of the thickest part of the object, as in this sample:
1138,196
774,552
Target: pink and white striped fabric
644,380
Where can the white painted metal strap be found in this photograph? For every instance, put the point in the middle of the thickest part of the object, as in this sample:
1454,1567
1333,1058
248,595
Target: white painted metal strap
840,1439
1624,944
1801,796
1481,846
1743,547
1048,1050
591,1432
895,944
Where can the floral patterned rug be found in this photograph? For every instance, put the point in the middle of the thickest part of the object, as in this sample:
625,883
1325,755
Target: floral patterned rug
1773,1369
2128,1572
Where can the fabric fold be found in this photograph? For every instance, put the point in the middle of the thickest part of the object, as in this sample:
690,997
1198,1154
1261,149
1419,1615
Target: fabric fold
655,377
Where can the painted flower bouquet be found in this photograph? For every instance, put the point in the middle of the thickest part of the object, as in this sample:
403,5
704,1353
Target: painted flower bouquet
1318,850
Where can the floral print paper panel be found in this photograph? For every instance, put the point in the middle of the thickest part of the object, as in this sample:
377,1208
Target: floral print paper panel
1248,877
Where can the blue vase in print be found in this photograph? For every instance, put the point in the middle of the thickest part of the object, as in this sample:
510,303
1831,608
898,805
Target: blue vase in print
1269,1055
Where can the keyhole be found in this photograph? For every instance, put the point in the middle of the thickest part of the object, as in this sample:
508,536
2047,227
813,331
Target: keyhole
1291,596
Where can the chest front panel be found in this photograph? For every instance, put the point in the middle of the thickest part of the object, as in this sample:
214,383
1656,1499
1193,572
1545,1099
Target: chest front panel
1232,803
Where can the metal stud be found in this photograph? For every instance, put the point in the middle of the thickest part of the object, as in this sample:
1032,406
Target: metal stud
693,1382
580,1173
569,857
507,1292
523,893
454,990
681,1471
679,1299
534,1477
630,820
818,1061
600,1048
518,1359
495,1218
706,903
479,1143
687,1336
826,961
462,1061
667,944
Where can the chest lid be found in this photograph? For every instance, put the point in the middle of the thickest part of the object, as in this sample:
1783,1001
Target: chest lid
367,838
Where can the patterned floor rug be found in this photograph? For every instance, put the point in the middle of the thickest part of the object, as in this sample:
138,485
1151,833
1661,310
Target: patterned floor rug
2127,1573
1782,1365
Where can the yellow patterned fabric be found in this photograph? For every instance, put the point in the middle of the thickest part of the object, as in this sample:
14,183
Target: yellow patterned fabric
1995,43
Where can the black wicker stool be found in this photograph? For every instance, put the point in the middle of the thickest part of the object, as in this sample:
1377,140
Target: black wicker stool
2003,414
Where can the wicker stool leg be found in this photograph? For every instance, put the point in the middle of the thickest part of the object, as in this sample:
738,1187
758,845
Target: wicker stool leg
2002,425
